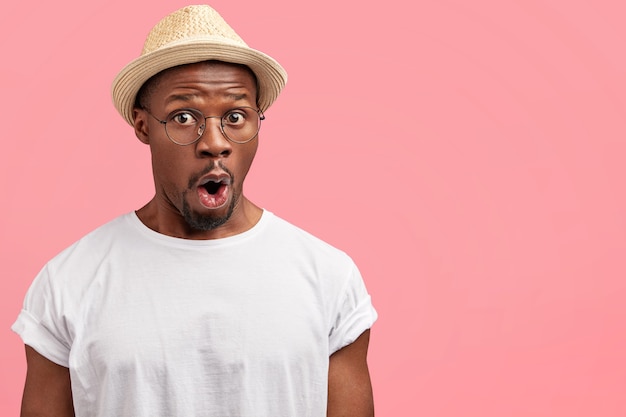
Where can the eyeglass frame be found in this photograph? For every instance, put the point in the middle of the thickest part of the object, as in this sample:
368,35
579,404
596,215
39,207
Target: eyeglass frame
259,113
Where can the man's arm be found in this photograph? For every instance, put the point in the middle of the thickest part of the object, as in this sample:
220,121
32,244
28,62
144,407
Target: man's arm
349,385
47,392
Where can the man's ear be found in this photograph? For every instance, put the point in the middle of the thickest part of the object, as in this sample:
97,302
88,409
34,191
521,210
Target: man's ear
140,118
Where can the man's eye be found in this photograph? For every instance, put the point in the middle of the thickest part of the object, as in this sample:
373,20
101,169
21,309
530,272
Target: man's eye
234,118
184,118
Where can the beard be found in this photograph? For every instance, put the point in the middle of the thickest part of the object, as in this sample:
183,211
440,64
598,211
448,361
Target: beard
207,222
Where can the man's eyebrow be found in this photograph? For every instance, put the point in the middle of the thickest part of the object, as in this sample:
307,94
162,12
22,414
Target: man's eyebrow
237,97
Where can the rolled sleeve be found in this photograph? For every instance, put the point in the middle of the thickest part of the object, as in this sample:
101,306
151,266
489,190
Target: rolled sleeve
42,324
354,313
40,338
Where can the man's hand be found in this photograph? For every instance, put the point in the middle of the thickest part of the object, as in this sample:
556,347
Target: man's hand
47,392
349,385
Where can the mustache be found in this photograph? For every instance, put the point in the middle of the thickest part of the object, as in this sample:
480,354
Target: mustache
195,178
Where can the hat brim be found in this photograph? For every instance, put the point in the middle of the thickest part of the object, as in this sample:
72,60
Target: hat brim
271,77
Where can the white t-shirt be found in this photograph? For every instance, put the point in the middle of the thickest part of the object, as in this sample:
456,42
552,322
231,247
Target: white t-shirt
151,325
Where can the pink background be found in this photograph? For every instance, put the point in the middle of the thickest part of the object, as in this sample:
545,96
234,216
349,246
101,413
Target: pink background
468,155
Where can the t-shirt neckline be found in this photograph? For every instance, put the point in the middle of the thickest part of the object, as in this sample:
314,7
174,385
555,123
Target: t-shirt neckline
177,241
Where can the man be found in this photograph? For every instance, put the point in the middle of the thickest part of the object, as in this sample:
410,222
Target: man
200,303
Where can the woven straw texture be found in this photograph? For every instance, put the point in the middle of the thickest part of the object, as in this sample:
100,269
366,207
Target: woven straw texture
188,35
187,23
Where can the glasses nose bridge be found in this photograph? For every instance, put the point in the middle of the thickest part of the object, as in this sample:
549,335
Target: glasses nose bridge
221,124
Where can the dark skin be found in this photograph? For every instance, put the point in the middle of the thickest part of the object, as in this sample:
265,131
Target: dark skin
47,391
349,384
212,89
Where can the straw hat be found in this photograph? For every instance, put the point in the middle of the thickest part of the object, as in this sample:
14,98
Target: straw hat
188,35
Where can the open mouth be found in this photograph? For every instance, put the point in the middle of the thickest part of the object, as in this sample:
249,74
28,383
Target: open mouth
213,192
212,187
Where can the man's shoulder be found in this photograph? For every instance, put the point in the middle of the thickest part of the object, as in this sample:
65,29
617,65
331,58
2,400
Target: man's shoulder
95,241
296,236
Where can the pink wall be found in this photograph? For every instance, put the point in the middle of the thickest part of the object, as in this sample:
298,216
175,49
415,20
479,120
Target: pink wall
468,155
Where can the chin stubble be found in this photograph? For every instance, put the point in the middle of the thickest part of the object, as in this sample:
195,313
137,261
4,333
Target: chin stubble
206,222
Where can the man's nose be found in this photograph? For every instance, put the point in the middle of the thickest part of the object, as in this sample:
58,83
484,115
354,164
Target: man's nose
213,143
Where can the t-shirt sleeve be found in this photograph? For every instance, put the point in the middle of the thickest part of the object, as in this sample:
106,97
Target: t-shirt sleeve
354,313
41,325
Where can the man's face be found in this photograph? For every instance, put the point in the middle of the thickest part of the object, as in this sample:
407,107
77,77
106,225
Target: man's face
199,187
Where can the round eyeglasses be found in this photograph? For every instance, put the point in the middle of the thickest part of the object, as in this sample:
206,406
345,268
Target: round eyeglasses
186,126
